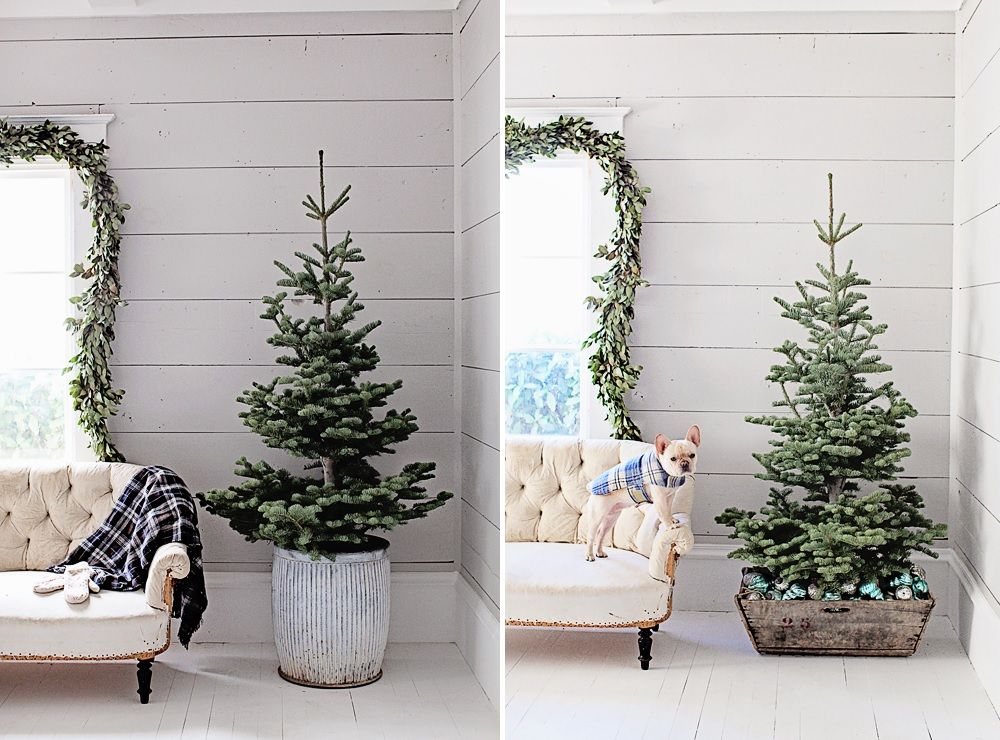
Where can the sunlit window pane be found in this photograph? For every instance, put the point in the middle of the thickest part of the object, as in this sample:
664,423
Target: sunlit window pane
33,223
33,309
545,203
546,218
543,393
548,310
32,414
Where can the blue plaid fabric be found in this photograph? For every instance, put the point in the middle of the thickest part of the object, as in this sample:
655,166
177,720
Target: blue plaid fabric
635,476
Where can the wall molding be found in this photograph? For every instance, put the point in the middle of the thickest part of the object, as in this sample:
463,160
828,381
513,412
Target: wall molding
976,619
423,607
479,635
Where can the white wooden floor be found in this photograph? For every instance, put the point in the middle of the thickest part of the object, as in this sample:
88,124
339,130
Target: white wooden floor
233,691
707,682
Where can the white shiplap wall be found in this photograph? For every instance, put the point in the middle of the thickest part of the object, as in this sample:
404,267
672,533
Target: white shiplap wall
736,119
479,405
975,488
479,151
218,119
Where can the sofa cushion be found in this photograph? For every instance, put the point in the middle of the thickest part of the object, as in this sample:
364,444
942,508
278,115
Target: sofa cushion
110,624
550,583
47,509
546,493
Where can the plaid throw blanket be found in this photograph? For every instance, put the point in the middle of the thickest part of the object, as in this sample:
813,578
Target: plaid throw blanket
635,476
155,508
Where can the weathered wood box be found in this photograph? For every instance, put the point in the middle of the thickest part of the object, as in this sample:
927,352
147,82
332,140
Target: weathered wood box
810,627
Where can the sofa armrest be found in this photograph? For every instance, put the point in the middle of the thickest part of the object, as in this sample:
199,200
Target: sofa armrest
667,547
170,561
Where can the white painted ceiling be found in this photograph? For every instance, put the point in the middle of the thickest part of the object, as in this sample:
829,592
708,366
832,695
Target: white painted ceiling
91,8
556,7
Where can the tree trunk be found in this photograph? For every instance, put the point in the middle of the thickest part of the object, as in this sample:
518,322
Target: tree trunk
327,463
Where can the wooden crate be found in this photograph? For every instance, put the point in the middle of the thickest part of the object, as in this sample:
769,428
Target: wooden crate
809,627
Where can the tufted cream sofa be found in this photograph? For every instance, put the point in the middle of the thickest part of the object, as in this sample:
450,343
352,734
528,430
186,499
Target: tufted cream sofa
549,583
46,511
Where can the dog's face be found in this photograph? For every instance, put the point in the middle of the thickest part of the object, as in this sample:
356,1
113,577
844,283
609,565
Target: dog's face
679,456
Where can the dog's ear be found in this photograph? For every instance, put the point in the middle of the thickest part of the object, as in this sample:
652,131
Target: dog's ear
661,443
694,435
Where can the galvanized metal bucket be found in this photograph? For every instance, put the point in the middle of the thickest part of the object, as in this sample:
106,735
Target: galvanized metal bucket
331,617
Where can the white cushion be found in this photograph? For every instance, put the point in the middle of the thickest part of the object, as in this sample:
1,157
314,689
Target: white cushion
48,509
546,491
551,583
111,624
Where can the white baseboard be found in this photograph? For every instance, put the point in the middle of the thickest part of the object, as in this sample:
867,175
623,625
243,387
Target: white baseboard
423,607
975,615
707,579
480,639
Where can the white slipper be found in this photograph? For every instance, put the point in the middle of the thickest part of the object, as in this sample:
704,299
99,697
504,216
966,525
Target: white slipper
78,583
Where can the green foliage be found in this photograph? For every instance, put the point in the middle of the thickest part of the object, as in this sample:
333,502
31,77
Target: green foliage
842,426
95,398
610,364
322,410
31,414
543,393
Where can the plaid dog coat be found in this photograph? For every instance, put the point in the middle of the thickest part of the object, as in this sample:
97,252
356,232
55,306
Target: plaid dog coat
635,476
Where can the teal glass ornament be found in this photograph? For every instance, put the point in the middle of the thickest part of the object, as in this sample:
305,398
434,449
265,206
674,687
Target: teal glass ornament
901,579
795,591
832,596
920,587
756,582
871,590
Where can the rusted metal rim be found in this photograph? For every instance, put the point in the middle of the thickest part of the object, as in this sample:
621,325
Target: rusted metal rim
312,685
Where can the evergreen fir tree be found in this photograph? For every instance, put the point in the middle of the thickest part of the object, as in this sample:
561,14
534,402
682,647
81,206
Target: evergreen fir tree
843,426
322,410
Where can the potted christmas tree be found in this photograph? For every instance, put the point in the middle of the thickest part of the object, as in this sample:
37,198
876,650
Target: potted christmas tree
330,580
832,549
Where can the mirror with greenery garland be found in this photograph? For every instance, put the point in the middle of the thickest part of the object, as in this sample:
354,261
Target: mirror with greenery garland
95,398
610,363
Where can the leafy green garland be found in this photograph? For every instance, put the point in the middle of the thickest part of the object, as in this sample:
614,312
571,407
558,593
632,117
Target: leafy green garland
611,364
94,396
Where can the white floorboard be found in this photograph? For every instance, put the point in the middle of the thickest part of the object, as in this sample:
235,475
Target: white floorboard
233,691
707,682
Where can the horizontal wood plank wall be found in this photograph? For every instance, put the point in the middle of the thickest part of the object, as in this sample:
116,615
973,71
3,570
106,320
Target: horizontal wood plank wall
735,122
975,515
217,124
479,150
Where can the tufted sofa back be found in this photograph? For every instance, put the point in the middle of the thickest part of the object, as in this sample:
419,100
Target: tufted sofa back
546,489
47,510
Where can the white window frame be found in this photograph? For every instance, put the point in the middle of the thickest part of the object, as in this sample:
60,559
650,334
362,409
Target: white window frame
602,222
91,128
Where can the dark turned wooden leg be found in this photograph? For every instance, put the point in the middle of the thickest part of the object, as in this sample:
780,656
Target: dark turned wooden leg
656,628
645,647
145,674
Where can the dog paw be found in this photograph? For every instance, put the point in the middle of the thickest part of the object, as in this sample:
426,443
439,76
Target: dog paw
602,554
590,558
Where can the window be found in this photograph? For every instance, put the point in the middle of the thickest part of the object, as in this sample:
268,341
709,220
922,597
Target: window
555,215
36,255
547,266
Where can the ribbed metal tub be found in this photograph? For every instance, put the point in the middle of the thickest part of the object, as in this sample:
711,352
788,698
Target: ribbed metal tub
331,617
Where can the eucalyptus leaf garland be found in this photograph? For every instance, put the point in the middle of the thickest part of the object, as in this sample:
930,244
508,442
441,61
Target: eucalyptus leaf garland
94,395
614,374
